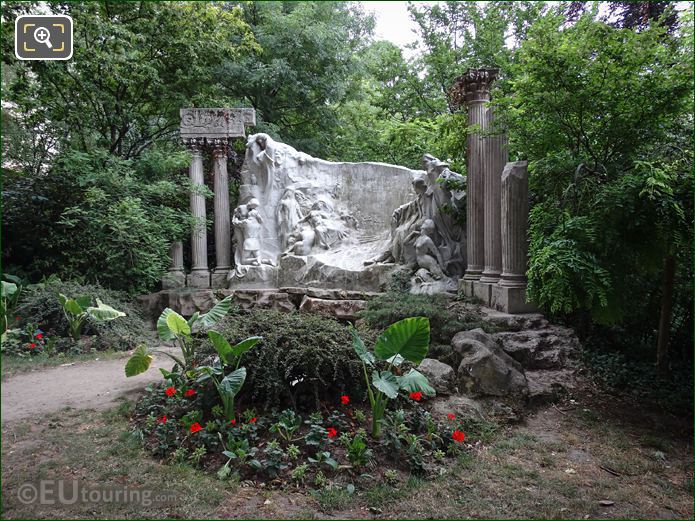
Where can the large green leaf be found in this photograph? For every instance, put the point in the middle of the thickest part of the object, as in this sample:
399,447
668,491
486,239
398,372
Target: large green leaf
414,381
62,299
365,355
104,312
139,362
8,289
386,382
177,324
163,330
218,312
409,338
203,374
72,307
85,301
233,382
12,278
223,348
243,346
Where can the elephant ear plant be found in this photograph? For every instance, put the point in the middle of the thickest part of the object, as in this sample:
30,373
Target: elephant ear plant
78,310
405,340
172,327
228,385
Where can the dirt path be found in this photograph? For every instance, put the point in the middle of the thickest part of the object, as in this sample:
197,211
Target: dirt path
82,385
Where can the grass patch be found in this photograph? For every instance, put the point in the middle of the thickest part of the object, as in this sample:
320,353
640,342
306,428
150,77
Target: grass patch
332,498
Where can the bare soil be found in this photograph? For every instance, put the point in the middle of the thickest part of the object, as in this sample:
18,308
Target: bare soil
93,384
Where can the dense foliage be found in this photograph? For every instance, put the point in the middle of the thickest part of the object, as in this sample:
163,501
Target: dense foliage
302,360
40,308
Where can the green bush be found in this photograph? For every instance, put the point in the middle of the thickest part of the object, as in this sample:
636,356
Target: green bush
40,305
446,318
313,351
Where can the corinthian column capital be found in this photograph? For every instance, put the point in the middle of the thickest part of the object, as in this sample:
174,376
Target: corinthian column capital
194,144
473,86
220,147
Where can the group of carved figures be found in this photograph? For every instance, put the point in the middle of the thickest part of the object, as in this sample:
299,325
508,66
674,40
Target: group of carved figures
426,233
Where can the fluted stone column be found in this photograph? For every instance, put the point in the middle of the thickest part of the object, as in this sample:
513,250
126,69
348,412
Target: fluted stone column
222,214
495,157
509,294
175,277
514,224
476,91
200,274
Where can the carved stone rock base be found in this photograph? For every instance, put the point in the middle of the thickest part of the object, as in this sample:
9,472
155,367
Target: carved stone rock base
254,277
199,279
510,300
219,278
340,309
174,280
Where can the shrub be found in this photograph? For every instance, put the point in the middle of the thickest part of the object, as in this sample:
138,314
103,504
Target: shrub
303,359
40,304
446,318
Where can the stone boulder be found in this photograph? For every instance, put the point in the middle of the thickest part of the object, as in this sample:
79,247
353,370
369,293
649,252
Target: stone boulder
441,376
546,386
462,406
485,368
551,347
340,309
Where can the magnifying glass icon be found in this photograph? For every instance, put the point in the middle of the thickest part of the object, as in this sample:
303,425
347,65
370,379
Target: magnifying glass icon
43,35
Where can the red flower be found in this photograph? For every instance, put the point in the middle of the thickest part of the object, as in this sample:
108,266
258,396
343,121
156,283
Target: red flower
233,422
32,345
345,399
253,420
162,419
190,392
39,336
170,391
196,427
451,416
332,433
458,436
18,318
417,396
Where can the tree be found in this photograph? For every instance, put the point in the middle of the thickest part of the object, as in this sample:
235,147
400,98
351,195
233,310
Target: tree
604,116
134,66
304,64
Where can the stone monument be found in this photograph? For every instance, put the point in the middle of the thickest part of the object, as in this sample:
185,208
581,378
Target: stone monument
343,226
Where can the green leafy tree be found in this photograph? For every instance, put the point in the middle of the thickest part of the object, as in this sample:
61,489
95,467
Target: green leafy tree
604,115
304,63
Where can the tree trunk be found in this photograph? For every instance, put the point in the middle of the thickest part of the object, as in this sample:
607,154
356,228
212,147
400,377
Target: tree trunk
665,316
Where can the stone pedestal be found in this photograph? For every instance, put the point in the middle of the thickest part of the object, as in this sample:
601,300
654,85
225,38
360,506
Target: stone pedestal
200,275
476,88
495,157
175,277
510,299
222,214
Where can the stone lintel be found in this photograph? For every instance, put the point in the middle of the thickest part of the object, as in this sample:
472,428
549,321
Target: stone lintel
216,123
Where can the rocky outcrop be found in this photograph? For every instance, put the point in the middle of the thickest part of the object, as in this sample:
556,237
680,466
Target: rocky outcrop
485,368
441,376
546,386
551,347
